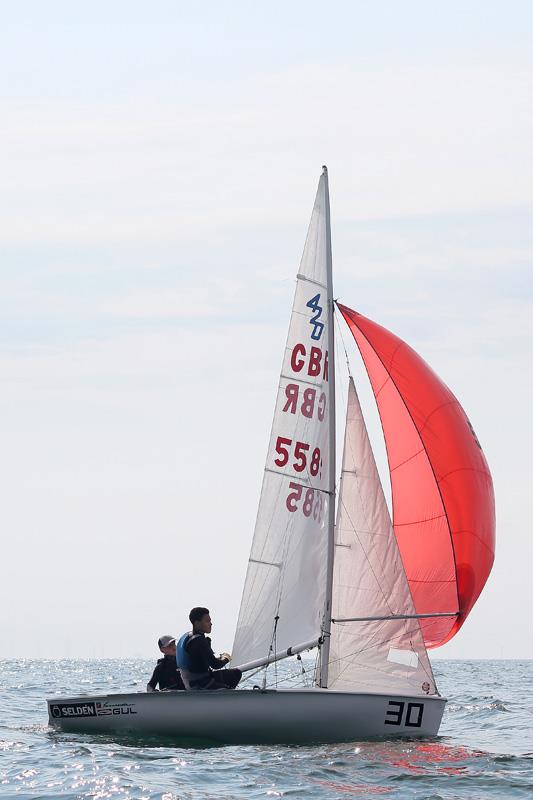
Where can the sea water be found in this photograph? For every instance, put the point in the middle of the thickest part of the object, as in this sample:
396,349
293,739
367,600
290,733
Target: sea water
485,747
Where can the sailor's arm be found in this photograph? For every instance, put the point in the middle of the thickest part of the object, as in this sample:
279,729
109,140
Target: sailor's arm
154,680
218,663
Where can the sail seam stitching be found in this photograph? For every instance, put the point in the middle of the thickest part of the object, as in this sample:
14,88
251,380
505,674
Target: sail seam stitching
419,521
407,460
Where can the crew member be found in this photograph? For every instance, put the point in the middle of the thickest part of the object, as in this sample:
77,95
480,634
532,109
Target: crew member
166,673
199,667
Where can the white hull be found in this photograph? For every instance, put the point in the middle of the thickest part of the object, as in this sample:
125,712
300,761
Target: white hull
251,716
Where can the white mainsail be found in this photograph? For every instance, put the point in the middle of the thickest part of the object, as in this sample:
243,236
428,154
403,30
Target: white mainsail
369,580
284,592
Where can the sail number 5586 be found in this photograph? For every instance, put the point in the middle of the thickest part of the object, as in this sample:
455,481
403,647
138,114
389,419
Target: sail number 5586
300,452
309,501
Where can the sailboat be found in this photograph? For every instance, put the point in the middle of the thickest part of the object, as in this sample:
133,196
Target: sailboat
329,571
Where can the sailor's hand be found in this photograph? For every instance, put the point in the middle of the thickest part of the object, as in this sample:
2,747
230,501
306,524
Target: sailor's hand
225,656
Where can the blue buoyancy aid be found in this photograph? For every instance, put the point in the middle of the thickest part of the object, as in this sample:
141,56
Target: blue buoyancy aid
191,680
183,659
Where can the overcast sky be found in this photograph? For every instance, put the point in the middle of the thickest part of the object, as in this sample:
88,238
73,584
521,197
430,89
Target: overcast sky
158,166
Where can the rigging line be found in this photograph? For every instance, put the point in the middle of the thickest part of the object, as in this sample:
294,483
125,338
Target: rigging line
260,597
385,600
303,681
423,664
348,444
286,561
374,668
343,400
308,673
273,641
247,676
386,640
283,570
272,649
368,532
371,645
298,674
339,329
393,544
275,645
414,681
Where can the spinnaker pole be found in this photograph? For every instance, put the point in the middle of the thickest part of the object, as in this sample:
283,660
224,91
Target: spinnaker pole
326,623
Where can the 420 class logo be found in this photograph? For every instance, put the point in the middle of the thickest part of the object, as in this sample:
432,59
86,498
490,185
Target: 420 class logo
318,326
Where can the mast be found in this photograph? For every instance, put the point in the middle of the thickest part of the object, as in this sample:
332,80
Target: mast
326,623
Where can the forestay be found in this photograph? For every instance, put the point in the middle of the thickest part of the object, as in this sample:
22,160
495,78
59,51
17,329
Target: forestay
369,580
284,591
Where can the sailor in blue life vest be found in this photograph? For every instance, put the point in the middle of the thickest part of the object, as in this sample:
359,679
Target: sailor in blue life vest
198,665
166,673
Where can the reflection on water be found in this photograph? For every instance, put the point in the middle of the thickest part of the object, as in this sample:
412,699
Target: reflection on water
428,757
345,788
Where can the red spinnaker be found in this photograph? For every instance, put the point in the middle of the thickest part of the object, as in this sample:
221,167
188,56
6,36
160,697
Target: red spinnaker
442,494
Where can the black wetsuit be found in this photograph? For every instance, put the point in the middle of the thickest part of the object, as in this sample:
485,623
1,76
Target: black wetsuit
204,660
166,674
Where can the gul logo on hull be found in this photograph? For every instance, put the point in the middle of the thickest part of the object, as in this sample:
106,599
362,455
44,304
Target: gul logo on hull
105,709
